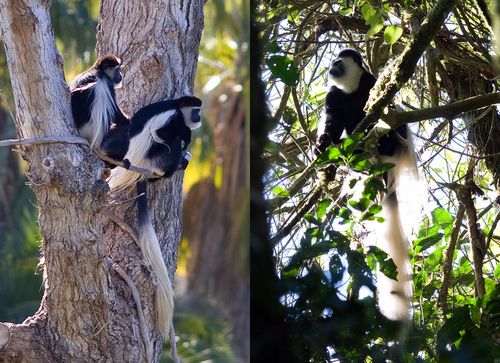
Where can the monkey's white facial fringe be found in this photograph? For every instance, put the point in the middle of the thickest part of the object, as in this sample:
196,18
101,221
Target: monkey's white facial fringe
187,114
101,115
349,81
164,294
122,179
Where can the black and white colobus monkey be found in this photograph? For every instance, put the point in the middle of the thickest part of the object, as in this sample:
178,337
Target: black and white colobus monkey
344,110
159,136
96,113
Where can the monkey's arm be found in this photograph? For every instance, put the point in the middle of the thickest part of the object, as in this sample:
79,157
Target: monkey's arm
84,80
167,157
332,125
186,137
81,101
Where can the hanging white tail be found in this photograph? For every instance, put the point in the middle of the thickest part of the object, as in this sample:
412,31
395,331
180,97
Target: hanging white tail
394,297
150,247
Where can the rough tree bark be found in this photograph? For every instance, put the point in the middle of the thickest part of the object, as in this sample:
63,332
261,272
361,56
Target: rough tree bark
88,312
219,215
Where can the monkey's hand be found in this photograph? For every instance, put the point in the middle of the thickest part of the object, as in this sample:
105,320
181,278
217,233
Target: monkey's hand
185,160
322,142
126,164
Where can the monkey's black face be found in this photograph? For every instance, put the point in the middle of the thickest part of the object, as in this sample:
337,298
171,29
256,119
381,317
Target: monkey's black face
195,115
114,74
191,117
337,69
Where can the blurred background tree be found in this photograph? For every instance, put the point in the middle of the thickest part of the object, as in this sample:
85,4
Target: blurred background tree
324,256
217,204
209,326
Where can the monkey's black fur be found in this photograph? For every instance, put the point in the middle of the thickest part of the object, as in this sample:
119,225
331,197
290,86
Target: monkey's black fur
108,135
344,111
159,136
175,134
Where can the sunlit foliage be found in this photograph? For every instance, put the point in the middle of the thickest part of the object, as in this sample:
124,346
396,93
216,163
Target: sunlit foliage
326,258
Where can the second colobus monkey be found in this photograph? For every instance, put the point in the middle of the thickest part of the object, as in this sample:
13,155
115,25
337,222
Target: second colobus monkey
159,136
344,110
96,113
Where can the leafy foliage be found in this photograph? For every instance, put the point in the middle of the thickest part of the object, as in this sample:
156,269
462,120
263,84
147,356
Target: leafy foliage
202,334
328,261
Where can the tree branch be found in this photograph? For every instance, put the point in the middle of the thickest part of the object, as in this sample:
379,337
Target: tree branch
464,195
448,259
68,139
450,111
393,78
328,175
286,228
148,348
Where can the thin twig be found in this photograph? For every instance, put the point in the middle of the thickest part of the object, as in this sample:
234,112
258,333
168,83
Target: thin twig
142,321
448,260
120,222
173,346
67,139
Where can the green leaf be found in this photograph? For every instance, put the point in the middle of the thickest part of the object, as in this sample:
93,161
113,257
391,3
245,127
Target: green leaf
379,169
282,67
361,204
353,182
372,186
333,153
392,33
371,15
434,259
309,217
273,47
475,314
322,208
424,243
361,165
375,209
372,211
344,213
497,271
450,331
351,143
280,191
385,264
441,216
374,29
345,11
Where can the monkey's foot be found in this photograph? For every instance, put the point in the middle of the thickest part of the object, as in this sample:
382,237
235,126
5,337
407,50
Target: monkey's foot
126,164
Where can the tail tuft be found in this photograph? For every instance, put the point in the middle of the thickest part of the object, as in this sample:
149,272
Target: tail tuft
153,257
394,297
164,293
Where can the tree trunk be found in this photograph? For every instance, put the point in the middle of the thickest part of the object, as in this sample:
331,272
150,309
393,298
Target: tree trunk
92,266
217,208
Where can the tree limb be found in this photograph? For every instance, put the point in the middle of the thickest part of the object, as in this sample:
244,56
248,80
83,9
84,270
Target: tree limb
393,78
328,175
449,111
285,229
448,259
68,139
464,195
148,348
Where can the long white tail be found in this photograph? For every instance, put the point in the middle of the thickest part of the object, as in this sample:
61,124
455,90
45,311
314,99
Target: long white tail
153,257
394,297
